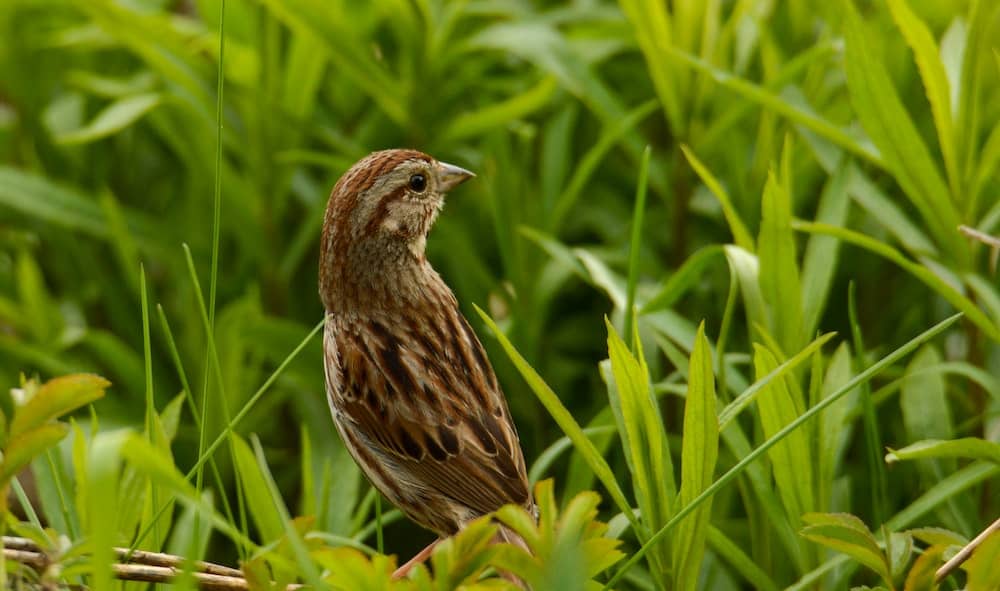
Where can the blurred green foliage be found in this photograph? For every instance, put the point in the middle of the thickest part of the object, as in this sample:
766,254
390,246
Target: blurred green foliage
796,147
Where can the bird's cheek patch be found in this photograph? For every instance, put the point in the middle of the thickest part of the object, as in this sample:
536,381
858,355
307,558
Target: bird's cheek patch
391,225
403,218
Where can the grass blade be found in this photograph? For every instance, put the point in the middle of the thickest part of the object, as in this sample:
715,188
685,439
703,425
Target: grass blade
636,244
644,438
566,422
740,233
936,85
779,272
861,378
699,451
925,275
885,119
733,409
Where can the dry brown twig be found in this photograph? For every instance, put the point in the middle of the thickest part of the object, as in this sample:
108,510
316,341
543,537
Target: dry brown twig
991,241
140,565
965,552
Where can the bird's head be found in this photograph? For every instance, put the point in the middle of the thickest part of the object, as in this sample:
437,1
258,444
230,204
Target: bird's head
380,212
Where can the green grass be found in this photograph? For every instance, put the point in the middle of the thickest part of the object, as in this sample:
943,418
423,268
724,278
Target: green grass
712,249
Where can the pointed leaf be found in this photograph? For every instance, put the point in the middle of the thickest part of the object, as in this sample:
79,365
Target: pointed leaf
258,500
699,451
846,533
791,459
56,398
935,80
885,119
779,271
115,117
565,420
984,566
968,447
26,447
643,435
741,236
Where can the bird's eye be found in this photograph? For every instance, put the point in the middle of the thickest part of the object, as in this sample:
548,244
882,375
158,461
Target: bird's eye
418,183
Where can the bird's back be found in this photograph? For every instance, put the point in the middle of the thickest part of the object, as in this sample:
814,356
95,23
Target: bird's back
419,406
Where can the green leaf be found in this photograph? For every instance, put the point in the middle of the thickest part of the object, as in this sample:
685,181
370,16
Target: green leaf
259,503
304,72
21,450
819,264
350,569
160,469
305,567
984,566
461,559
54,486
861,378
889,215
925,275
922,574
683,279
967,447
745,398
563,550
900,549
699,451
565,421
113,118
937,536
335,31
923,398
947,488
559,252
583,173
57,397
104,461
734,555
40,198
794,112
979,44
747,268
779,271
936,85
885,119
835,432
191,532
163,49
635,244
984,291
644,438
539,42
653,31
740,233
846,533
482,120
791,460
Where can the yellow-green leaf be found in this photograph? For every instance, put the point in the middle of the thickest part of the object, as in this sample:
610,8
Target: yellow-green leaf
699,450
935,80
56,398
23,448
848,534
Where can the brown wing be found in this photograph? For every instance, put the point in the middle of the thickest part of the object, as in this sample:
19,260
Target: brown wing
422,392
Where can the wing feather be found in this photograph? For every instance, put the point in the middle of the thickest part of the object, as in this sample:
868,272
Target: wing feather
422,391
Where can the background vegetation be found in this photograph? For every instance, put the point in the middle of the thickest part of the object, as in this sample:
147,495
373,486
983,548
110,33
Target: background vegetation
808,166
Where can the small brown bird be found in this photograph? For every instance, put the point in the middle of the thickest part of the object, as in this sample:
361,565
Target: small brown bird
410,388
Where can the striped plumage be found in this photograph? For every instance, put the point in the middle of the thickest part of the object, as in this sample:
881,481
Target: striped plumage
411,390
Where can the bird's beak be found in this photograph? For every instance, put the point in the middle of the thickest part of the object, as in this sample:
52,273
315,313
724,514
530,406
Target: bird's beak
450,176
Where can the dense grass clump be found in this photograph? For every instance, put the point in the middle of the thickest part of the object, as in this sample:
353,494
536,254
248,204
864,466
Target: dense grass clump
713,248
